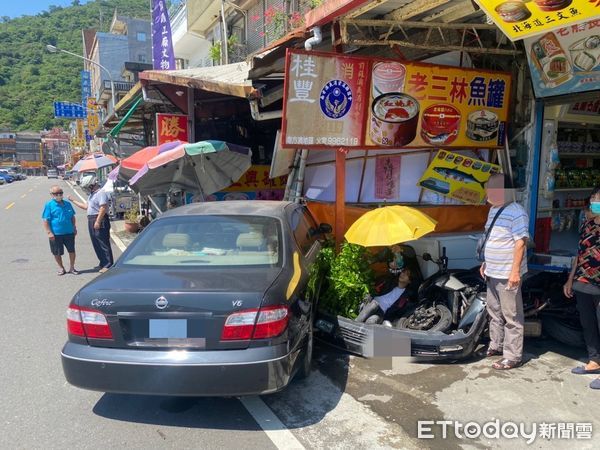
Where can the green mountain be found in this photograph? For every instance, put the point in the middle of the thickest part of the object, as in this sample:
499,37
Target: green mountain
31,78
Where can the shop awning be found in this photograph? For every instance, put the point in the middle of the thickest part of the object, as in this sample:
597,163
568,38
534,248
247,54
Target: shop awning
126,117
228,79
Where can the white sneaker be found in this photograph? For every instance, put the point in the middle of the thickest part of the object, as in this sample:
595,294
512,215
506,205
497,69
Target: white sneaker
387,323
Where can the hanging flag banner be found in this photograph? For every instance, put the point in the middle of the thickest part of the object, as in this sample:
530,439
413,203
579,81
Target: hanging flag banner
163,57
459,177
171,127
344,101
565,61
523,19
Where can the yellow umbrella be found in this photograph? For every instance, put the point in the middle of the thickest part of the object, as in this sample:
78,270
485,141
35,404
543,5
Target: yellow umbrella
389,225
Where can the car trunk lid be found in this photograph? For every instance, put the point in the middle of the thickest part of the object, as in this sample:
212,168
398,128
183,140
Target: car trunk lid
183,308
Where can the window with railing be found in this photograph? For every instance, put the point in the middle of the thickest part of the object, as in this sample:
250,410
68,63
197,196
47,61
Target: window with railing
269,20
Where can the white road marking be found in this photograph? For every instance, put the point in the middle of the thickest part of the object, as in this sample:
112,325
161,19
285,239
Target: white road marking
24,195
271,425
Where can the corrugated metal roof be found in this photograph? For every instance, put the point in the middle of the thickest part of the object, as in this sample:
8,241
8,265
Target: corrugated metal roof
229,79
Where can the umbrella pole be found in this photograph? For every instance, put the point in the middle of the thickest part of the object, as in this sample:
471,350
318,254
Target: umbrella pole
202,196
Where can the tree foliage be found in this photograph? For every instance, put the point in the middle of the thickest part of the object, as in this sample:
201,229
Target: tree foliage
31,78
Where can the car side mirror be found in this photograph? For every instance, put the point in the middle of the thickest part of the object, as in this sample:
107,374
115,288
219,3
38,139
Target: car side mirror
427,257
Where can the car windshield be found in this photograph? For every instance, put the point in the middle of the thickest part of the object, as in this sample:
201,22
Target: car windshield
211,240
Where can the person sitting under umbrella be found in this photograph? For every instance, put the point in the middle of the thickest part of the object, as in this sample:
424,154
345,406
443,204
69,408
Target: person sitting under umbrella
376,308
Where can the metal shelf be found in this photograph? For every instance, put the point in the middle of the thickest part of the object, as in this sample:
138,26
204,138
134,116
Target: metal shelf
578,155
573,189
574,208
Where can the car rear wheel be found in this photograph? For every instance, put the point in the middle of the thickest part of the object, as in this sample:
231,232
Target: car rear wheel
305,364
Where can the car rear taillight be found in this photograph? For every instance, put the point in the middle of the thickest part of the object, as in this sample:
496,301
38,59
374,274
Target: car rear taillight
244,325
85,322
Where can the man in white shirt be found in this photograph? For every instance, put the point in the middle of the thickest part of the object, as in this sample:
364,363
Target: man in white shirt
505,264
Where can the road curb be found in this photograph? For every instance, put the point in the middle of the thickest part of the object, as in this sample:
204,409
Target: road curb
117,240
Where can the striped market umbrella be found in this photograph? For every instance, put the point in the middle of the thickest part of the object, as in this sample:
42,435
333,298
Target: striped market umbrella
205,167
94,162
130,165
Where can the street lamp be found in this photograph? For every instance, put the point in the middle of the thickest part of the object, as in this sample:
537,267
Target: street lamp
54,49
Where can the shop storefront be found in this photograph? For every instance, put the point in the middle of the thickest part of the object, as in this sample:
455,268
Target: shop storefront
407,133
565,71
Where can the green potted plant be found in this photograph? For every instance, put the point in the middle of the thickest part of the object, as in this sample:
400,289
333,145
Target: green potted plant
132,219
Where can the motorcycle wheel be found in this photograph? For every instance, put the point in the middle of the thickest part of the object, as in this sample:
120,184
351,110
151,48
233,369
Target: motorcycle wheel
563,331
443,320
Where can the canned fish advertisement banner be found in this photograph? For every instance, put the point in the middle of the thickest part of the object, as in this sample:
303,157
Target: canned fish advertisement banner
519,19
565,61
459,177
337,101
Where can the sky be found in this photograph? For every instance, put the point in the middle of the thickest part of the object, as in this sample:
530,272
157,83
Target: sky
30,7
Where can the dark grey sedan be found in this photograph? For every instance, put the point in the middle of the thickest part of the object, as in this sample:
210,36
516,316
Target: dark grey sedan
212,299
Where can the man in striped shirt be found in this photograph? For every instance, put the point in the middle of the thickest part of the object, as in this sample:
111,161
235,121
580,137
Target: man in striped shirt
504,265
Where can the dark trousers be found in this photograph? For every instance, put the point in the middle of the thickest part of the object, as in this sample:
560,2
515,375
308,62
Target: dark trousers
588,306
101,240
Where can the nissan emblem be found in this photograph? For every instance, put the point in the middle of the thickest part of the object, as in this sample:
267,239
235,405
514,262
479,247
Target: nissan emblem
161,302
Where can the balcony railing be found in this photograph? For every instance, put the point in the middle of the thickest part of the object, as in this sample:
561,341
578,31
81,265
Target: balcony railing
178,16
237,53
120,86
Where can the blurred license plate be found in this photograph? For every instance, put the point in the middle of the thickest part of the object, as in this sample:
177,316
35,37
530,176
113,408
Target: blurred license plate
167,328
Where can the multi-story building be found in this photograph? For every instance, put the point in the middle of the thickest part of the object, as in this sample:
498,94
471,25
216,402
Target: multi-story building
55,147
8,148
29,151
198,28
128,40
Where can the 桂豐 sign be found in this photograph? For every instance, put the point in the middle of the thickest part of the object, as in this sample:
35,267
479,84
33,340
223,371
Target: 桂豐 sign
342,101
523,19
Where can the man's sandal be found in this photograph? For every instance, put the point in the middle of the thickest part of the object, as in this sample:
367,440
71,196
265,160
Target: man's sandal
489,352
61,272
506,364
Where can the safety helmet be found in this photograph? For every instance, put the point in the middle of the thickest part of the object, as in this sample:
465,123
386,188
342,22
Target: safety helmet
88,183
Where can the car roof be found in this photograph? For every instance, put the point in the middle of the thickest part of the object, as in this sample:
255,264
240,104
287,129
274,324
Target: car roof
232,207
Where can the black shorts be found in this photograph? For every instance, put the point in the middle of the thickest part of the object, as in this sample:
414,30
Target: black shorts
60,241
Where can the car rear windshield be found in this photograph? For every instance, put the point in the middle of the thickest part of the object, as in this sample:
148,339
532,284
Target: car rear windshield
226,241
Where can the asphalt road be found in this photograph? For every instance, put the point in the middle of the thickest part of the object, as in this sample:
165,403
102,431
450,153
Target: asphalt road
346,403
40,410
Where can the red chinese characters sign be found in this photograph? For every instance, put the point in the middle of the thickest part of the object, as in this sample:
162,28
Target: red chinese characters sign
171,127
333,101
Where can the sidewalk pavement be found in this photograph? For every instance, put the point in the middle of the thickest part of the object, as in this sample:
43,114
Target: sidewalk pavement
121,237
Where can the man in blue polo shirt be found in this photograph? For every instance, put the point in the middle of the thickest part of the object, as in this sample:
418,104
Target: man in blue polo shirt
59,223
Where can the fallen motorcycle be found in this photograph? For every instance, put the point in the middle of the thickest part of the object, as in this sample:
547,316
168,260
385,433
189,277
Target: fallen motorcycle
448,318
